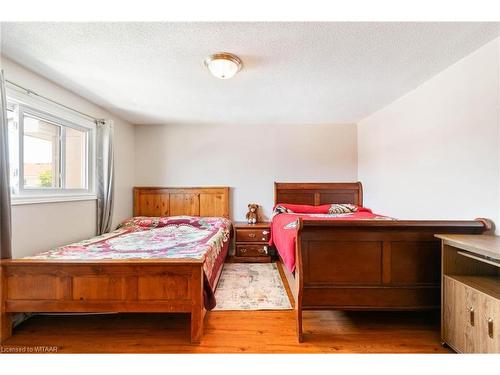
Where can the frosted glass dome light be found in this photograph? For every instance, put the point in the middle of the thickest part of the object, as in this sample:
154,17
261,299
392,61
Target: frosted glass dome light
223,65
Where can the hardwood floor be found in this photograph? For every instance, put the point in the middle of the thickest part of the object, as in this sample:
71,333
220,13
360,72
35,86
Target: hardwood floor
235,332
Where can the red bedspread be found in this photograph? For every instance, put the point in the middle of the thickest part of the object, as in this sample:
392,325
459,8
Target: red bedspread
284,229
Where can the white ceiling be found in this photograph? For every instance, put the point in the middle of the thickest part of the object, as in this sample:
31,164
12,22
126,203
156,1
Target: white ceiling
294,73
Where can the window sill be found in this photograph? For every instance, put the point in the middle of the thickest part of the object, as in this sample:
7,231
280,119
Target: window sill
17,201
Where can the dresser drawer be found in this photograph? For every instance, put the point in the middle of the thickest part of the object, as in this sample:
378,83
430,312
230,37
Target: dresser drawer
252,250
252,235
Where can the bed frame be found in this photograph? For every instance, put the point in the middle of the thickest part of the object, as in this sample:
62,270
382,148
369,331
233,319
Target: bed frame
364,265
163,285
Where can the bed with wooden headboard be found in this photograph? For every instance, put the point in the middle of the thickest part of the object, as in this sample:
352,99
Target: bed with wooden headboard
364,264
117,285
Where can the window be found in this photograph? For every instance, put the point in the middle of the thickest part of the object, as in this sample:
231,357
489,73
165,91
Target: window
51,157
41,154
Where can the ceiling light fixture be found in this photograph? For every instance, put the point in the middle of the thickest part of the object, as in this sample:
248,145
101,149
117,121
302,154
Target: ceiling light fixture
223,65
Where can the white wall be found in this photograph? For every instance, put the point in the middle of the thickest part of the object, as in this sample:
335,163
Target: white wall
247,158
435,153
39,227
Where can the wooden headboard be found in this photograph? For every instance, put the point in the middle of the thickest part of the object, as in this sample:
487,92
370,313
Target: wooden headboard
317,193
172,201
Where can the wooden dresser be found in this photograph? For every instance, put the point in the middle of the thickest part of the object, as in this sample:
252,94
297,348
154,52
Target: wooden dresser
470,295
251,242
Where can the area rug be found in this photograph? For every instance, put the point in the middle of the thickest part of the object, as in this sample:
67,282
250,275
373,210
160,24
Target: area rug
251,286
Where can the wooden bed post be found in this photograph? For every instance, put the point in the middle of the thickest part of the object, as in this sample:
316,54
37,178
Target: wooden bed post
5,317
298,316
6,328
299,283
197,308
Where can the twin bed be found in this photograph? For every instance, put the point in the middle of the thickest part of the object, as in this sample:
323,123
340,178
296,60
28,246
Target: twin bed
148,281
168,258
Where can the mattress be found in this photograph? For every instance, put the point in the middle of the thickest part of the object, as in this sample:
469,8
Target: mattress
175,237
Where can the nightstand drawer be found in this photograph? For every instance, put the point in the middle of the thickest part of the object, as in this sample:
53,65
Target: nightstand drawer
252,235
252,250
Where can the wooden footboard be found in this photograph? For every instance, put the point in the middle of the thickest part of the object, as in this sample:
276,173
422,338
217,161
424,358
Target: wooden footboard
102,286
370,265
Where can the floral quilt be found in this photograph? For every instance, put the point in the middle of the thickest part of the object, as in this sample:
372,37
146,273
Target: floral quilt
174,237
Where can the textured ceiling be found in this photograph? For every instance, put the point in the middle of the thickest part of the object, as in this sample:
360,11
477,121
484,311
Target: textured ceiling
294,73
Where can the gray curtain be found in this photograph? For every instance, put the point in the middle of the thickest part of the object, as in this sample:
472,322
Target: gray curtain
5,210
105,175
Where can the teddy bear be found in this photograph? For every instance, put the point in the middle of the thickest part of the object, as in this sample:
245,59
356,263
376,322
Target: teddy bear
252,213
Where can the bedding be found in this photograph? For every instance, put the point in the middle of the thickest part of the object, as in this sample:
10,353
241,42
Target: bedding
285,218
175,237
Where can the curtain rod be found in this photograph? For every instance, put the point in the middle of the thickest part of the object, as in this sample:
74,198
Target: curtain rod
31,92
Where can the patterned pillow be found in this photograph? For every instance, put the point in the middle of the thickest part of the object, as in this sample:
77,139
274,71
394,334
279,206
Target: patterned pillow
279,209
342,208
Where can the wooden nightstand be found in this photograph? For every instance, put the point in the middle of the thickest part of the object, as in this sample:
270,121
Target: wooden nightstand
251,242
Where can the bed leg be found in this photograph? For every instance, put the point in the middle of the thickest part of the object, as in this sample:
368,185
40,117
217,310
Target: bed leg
298,316
197,308
196,325
6,326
